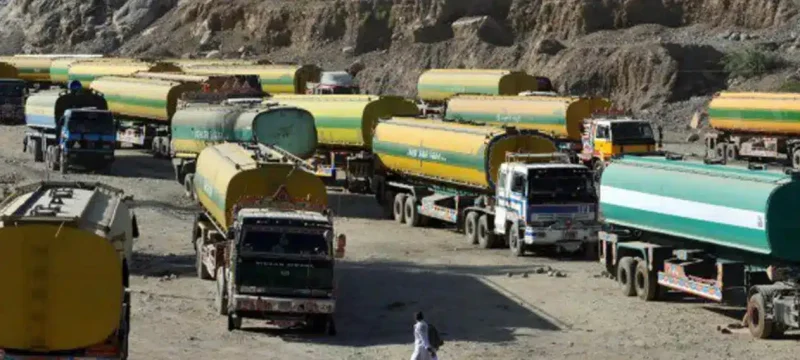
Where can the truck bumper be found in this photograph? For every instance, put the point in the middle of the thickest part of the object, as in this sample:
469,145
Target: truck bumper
287,306
578,236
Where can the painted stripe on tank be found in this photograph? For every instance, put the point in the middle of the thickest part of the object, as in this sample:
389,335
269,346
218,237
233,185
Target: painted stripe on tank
508,117
723,235
137,101
430,155
682,208
757,115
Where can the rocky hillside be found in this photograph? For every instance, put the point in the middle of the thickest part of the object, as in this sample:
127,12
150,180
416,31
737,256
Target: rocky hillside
642,53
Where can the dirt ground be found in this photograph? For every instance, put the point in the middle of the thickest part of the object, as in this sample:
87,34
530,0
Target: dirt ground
487,304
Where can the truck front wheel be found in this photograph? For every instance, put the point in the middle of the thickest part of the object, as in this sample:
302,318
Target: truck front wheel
625,273
515,242
757,322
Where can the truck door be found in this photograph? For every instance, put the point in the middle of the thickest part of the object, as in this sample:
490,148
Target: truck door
602,141
501,197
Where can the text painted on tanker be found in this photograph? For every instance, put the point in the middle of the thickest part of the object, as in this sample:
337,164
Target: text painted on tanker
208,135
425,154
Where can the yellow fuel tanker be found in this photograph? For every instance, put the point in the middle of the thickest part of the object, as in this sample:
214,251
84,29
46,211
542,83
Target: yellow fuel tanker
29,68
142,98
275,79
775,113
458,154
437,85
558,116
227,174
87,71
347,121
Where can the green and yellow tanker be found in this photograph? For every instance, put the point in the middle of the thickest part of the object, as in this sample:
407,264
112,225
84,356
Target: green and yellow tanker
275,79
755,126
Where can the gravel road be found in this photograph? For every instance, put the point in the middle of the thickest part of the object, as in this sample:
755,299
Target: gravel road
487,304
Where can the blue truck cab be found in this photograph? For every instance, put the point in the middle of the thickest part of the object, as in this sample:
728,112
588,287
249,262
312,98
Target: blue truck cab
72,128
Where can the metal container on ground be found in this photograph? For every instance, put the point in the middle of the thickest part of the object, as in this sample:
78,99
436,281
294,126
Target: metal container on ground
457,154
275,79
227,174
82,235
725,233
559,116
197,126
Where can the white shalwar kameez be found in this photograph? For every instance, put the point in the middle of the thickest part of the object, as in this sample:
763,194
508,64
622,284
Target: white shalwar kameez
421,342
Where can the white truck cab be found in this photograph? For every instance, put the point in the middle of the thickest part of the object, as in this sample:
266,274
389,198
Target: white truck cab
546,204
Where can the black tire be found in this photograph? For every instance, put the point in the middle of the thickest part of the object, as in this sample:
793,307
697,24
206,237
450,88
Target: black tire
471,227
188,186
758,324
730,152
486,238
398,208
234,322
796,158
202,271
38,153
625,273
63,165
330,325
515,243
221,299
410,213
719,151
646,282
387,205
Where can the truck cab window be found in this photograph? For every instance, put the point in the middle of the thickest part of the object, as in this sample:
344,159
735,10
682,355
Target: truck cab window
602,132
518,183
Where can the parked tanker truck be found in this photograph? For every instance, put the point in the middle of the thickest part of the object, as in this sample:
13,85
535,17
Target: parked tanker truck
345,124
723,233
65,251
501,186
265,235
145,102
587,129
196,126
274,78
757,127
71,128
436,86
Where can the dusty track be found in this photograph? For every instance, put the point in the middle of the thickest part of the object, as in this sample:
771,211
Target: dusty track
391,271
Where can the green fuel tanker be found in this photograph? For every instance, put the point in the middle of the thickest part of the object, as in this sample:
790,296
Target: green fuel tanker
345,124
499,184
735,227
197,126
266,237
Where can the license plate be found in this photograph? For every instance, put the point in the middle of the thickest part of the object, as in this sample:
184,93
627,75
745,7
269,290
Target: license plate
569,234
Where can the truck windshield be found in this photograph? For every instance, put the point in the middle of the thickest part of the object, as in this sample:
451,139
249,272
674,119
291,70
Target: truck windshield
91,122
551,185
282,242
631,131
12,89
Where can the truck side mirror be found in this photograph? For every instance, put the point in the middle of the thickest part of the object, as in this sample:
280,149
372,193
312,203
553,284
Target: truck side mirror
341,243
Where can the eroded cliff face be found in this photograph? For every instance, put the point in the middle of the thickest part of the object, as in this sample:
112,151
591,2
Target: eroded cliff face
640,52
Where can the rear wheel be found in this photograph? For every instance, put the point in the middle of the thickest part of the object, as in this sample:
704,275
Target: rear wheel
486,238
757,322
719,151
471,227
234,322
645,282
730,152
188,186
796,158
411,213
202,272
222,292
625,270
398,209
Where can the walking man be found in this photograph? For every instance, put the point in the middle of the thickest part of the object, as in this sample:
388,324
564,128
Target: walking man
422,346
